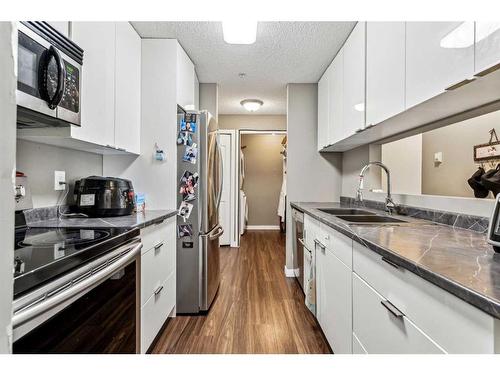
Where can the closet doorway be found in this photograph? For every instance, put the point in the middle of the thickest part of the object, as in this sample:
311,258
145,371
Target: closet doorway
261,175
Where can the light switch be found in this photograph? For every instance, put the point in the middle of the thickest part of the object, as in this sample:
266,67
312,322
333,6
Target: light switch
438,157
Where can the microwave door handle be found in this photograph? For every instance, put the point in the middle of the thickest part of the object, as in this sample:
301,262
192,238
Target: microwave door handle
61,78
43,77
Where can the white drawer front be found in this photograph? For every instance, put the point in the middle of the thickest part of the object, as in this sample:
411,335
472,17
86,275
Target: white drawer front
338,243
357,347
154,234
155,312
380,331
156,265
454,324
312,231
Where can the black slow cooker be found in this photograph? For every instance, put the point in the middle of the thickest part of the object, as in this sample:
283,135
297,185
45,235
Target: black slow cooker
98,196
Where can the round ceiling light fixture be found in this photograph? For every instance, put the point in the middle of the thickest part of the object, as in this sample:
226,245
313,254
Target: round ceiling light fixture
252,105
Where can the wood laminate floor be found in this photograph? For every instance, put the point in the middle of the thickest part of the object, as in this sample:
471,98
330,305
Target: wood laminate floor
257,309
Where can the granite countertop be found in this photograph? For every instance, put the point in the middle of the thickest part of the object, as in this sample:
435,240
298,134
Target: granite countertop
136,220
457,260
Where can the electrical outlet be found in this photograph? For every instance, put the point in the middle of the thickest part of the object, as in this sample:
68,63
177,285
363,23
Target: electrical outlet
59,176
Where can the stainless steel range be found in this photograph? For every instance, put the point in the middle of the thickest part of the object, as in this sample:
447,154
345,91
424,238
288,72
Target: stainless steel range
76,290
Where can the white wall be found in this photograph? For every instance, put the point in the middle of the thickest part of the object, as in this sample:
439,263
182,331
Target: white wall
311,176
404,160
209,98
8,83
39,161
158,125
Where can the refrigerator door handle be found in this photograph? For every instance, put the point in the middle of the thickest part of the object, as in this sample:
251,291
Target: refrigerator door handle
217,234
221,172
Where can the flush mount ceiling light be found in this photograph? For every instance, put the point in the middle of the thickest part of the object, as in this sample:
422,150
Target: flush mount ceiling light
239,31
252,105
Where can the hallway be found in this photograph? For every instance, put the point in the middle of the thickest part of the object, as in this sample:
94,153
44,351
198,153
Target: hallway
257,310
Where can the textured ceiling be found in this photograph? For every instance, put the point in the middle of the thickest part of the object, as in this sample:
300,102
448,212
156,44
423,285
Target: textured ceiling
285,52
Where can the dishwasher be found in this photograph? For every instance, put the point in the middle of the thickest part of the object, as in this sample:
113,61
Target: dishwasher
304,261
298,245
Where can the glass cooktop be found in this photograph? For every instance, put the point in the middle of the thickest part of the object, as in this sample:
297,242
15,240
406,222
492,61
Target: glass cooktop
42,254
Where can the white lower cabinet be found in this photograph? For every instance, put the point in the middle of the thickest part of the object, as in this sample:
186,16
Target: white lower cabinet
333,293
453,324
155,312
365,304
381,329
357,347
158,279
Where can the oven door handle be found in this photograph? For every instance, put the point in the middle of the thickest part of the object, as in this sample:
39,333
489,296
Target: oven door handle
45,305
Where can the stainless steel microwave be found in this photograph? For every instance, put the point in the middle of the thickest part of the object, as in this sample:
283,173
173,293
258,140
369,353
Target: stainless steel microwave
49,77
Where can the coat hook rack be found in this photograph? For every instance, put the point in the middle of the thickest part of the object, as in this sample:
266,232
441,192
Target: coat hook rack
488,152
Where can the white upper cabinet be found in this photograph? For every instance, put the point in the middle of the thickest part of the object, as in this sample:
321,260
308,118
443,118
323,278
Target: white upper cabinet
128,88
439,55
185,80
487,39
336,99
354,80
385,70
98,86
323,109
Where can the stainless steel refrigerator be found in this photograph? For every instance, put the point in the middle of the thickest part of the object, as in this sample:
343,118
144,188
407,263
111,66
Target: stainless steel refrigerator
199,176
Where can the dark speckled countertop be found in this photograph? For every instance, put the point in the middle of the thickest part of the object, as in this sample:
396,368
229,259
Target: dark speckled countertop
457,260
136,220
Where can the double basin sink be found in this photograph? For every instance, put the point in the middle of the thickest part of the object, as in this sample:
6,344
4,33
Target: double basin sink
357,216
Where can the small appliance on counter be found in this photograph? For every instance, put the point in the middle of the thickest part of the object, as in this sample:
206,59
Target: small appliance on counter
494,227
98,196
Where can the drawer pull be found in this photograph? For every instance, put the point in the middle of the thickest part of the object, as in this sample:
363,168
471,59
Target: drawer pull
390,262
392,309
488,71
158,290
157,247
459,84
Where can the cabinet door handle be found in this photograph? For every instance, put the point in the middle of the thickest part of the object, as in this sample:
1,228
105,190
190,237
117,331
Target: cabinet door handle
390,262
459,84
158,290
158,247
392,309
319,244
487,71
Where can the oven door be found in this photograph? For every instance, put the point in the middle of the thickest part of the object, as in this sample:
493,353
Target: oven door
95,309
41,73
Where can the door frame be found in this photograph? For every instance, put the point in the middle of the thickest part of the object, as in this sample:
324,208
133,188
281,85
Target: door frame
234,191
237,169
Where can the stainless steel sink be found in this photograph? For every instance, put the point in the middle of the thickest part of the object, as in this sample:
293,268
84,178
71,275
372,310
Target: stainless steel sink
345,211
369,219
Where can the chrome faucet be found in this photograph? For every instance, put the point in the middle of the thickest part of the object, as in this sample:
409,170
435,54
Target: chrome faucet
390,206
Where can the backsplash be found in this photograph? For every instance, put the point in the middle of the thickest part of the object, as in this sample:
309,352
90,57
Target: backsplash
475,223
39,161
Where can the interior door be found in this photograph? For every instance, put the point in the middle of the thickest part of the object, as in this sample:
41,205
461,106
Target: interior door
225,201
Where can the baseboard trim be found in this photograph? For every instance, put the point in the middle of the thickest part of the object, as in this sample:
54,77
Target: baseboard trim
263,227
290,272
